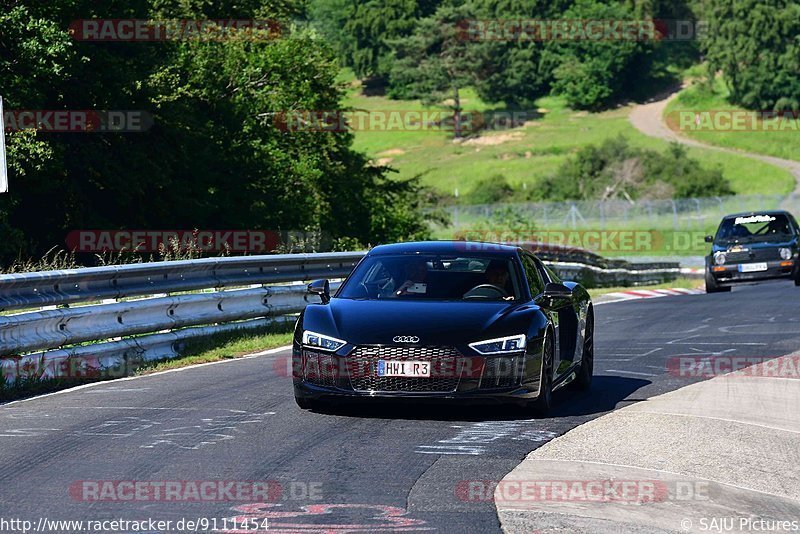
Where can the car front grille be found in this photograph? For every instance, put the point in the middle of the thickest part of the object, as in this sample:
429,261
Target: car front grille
764,254
445,369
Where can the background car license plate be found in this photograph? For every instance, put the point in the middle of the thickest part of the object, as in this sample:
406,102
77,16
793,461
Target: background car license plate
404,368
752,267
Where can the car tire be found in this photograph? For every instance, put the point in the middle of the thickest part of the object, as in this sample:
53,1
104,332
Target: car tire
541,406
583,381
712,286
797,281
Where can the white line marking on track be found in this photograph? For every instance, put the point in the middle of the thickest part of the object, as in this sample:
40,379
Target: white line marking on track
106,382
629,372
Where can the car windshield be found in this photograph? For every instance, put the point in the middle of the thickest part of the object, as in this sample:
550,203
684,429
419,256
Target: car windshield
755,228
433,277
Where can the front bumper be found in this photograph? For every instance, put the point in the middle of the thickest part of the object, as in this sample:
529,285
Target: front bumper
504,378
731,273
519,395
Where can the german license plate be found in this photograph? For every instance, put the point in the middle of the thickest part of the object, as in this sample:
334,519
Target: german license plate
752,267
407,368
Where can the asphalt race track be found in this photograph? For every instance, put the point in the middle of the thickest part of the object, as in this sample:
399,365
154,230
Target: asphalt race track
381,468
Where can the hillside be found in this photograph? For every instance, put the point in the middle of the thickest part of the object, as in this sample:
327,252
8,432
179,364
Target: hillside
526,154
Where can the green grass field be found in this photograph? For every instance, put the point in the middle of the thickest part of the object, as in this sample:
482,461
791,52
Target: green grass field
783,141
528,153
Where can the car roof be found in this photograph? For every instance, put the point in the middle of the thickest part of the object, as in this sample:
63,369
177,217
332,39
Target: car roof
446,247
750,213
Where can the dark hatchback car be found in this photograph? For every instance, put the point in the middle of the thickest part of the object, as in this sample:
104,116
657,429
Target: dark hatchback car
445,320
750,247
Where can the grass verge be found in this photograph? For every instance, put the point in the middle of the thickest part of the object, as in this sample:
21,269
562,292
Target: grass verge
207,352
782,142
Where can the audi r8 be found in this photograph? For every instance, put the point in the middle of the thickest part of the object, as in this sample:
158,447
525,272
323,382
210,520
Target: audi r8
750,247
445,320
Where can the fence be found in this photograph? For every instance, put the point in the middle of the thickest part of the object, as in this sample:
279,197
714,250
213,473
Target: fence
114,328
678,214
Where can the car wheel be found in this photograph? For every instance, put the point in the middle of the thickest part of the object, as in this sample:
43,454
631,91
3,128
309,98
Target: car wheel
797,281
583,381
712,286
541,406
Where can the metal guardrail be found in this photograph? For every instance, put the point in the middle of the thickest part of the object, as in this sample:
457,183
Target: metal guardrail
592,270
29,290
52,341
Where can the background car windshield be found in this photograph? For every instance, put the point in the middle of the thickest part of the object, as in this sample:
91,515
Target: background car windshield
433,278
755,227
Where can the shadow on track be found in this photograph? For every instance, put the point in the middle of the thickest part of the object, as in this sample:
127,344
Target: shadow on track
606,394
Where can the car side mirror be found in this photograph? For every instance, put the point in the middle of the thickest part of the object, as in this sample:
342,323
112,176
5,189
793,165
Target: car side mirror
554,290
709,239
321,288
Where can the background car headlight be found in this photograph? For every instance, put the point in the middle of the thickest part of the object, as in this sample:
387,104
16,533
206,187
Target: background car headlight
719,258
321,341
785,253
499,345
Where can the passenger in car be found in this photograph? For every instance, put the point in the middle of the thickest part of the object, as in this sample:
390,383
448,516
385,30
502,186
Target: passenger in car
416,282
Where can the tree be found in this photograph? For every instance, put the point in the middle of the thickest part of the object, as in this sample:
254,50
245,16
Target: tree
36,57
371,25
435,62
512,71
591,73
754,43
213,158
329,18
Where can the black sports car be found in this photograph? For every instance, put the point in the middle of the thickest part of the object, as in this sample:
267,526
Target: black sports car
753,246
445,320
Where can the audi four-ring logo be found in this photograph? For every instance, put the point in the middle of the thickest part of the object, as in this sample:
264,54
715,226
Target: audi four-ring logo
405,339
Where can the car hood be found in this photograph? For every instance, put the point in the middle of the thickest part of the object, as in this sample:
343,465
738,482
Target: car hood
363,322
754,245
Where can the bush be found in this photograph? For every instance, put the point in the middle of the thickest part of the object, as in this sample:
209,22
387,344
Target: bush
490,190
614,169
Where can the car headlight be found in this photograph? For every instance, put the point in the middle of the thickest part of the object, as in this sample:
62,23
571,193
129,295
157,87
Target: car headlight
719,258
786,253
323,342
500,345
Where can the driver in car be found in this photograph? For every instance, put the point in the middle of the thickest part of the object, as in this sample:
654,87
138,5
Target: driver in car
497,275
